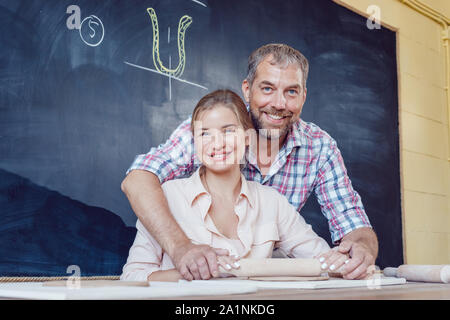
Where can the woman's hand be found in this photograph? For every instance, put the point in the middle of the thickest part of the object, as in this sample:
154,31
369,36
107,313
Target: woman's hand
227,264
333,261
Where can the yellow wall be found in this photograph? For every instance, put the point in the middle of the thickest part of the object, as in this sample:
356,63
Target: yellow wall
443,6
424,125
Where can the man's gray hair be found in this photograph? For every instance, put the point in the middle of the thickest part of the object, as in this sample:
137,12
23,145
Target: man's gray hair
282,55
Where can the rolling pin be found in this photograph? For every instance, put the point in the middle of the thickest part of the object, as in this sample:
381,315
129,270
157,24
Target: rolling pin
421,273
276,267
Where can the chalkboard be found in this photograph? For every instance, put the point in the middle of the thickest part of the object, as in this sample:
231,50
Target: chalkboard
87,85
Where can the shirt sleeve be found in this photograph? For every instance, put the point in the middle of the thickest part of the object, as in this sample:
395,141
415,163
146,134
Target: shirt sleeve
297,238
172,159
144,258
339,202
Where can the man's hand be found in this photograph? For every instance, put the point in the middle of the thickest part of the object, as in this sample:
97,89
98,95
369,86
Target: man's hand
197,262
362,247
360,260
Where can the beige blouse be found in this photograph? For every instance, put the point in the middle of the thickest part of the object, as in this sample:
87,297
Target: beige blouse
266,221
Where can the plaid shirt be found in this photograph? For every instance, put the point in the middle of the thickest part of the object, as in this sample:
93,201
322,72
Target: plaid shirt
308,161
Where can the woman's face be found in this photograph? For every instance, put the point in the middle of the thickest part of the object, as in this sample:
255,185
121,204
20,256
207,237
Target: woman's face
219,138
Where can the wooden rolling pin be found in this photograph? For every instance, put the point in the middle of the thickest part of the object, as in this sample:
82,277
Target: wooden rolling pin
276,267
421,273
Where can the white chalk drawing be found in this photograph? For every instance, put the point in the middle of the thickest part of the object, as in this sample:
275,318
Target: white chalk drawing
96,31
175,73
200,3
184,23
91,29
166,75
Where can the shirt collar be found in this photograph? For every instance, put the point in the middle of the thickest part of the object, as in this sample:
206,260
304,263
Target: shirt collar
246,192
196,188
296,135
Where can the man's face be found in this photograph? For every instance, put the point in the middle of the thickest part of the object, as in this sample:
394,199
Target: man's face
276,98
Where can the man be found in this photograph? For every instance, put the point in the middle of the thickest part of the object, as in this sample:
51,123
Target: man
293,156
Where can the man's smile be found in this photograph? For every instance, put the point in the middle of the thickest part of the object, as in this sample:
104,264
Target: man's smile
274,118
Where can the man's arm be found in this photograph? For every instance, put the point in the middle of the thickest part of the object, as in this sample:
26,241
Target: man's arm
348,222
147,199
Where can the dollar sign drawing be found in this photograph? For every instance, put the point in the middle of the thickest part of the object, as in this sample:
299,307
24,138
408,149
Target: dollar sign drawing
90,27
96,30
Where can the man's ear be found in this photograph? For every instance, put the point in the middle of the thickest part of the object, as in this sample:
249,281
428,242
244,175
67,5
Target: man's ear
246,90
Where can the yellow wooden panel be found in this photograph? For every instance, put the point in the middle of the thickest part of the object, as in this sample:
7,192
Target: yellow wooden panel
445,111
424,135
421,98
442,6
439,248
426,248
440,219
425,212
434,67
417,244
411,56
421,62
420,29
448,244
448,179
424,173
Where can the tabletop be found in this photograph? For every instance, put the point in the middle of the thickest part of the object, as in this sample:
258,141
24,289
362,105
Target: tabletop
407,291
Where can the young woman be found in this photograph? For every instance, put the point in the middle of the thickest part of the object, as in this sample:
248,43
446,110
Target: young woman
217,206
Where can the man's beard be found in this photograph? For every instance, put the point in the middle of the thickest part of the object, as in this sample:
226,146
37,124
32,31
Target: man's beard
270,133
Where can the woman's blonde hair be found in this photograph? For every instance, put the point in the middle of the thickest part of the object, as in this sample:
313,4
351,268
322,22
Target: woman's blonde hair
228,99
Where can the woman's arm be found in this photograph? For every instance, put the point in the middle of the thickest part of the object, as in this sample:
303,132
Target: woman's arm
297,238
144,258
165,275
